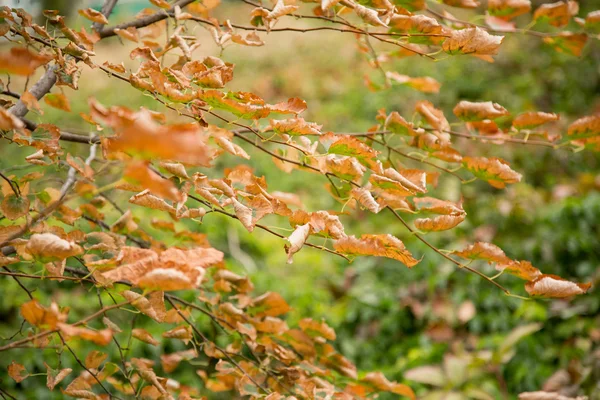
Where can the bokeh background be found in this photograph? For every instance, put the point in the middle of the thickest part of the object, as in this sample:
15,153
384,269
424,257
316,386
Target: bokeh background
474,341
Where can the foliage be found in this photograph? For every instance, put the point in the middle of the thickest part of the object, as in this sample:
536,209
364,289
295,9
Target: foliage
158,276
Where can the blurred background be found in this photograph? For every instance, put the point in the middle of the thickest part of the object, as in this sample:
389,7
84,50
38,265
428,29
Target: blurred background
447,333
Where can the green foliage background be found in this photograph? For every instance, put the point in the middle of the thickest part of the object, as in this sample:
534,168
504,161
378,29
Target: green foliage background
367,302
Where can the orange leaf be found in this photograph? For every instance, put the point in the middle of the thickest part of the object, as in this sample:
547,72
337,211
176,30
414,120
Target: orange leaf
521,269
144,336
93,15
139,173
494,170
21,61
102,337
556,14
439,223
58,100
270,304
508,9
533,119
483,251
376,245
31,102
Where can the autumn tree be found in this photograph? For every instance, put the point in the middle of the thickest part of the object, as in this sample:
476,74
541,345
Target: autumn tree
77,232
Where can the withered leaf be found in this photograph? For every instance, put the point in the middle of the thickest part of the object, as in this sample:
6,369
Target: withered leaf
376,245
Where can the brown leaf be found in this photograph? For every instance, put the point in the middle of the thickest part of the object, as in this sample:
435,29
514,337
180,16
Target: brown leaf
183,332
251,39
368,15
17,372
555,286
145,199
365,198
351,146
54,377
469,111
376,245
475,41
154,309
434,116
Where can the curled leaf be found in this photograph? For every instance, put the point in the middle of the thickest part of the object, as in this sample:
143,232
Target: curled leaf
475,41
555,286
